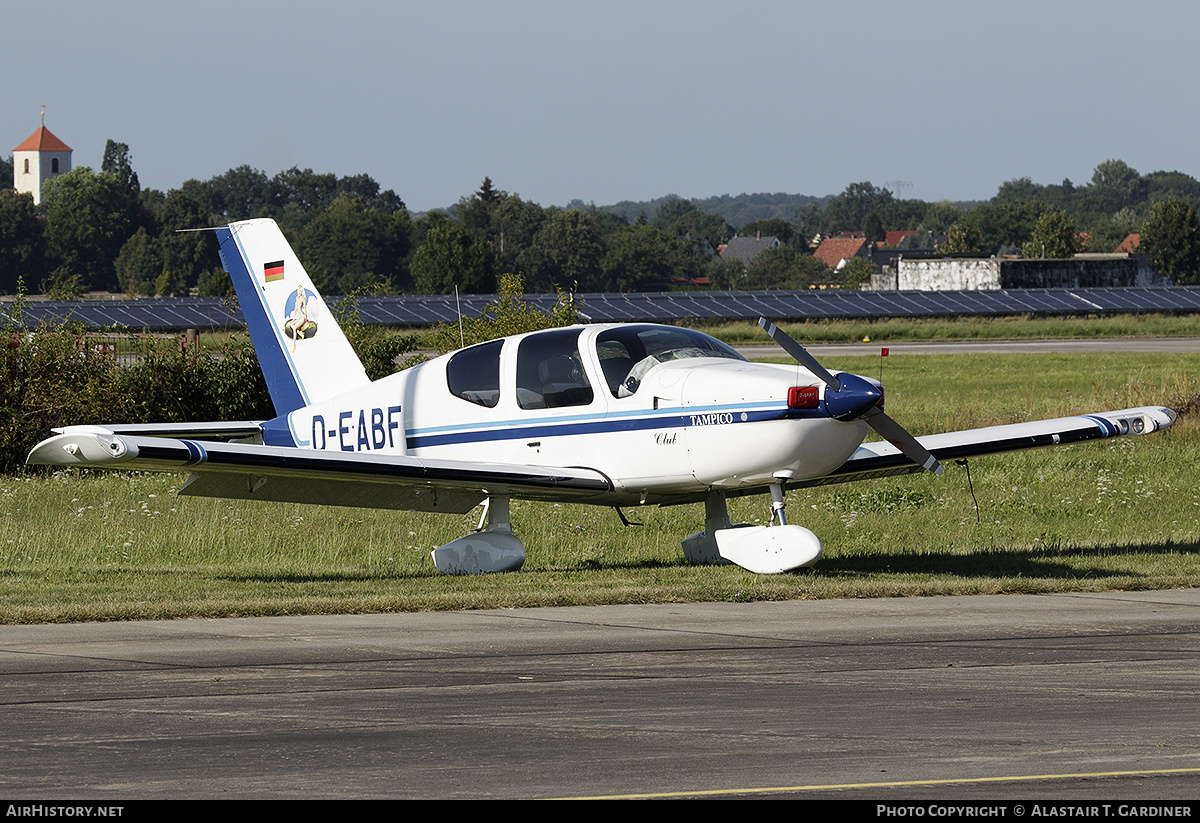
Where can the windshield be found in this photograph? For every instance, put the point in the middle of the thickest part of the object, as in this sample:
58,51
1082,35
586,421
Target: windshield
628,352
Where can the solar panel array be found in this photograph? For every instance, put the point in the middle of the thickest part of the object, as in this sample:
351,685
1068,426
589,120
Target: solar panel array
210,313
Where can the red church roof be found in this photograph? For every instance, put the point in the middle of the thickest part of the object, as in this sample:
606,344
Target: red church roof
42,140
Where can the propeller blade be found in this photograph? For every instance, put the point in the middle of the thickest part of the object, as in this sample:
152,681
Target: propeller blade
799,352
886,427
897,435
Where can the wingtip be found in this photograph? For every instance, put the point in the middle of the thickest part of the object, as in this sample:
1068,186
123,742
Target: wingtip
81,448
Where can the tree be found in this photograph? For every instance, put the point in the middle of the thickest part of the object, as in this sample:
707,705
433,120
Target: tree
1053,236
783,268
505,221
510,314
350,246
365,187
117,161
856,271
872,227
476,213
215,283
1022,188
187,254
453,256
848,210
1169,185
671,210
699,232
515,222
1004,226
302,195
725,273
961,240
639,257
1104,234
1171,236
22,241
140,265
1114,186
89,217
568,251
241,193
939,216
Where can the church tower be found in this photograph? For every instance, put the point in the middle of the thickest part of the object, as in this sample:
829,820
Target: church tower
41,157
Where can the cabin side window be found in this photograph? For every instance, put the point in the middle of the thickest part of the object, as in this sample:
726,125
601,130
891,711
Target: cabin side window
474,374
550,371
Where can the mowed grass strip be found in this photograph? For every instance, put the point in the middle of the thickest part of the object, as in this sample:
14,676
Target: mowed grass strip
1121,514
1015,327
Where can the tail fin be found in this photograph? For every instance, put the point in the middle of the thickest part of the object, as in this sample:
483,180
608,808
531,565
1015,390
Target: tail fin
304,355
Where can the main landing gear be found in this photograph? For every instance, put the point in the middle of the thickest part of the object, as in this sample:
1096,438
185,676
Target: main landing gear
491,549
760,549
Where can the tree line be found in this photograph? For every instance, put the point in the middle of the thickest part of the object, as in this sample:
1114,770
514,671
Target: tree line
101,231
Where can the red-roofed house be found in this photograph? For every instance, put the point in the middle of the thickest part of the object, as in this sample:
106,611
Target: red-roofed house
40,157
833,250
892,239
1129,244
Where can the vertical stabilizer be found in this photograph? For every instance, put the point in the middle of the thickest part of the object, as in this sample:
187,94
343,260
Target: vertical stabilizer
304,355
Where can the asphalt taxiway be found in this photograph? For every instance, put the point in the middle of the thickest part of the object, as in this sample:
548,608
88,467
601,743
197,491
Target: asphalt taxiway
1048,696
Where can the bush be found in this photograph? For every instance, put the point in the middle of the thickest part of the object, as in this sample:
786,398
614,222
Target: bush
54,375
376,347
510,314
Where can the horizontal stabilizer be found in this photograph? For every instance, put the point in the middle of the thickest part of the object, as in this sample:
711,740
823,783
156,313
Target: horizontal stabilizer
232,430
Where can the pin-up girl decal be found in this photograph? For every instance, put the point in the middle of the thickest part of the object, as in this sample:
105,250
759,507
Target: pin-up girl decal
301,314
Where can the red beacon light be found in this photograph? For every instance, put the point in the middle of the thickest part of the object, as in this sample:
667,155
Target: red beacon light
804,397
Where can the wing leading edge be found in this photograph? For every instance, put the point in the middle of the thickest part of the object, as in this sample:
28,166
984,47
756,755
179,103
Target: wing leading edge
288,475
883,459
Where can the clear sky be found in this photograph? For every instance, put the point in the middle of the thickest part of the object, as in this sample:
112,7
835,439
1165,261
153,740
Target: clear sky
613,99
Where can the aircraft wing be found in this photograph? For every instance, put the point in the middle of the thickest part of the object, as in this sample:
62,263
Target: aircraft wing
882,459
288,475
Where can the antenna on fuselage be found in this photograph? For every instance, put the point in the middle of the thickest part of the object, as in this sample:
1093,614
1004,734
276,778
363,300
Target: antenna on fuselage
462,344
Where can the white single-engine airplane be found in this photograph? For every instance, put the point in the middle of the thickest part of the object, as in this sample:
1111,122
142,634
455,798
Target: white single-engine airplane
612,415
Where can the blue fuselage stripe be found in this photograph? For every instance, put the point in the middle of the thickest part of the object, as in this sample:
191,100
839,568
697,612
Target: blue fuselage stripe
603,425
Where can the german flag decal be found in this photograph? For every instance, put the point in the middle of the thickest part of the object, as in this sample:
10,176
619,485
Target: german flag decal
273,271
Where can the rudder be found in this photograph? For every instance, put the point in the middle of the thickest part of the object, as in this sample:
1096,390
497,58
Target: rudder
304,354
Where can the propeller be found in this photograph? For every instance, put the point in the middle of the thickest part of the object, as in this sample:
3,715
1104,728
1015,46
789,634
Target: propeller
860,402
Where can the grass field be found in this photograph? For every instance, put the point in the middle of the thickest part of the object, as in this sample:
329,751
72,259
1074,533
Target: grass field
882,330
1018,327
1116,515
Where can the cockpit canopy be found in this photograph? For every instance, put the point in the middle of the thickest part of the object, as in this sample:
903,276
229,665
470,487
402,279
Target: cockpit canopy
627,352
550,371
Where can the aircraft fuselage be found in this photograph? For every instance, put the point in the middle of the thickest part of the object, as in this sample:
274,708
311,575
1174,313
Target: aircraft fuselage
659,410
